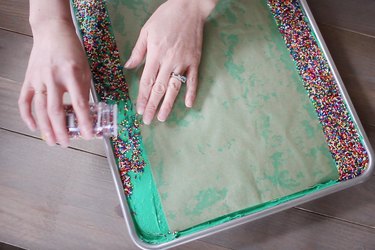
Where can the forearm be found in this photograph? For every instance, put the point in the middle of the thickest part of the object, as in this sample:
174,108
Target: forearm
204,6
49,12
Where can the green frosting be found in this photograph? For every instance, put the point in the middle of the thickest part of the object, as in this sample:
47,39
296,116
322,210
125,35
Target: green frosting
144,201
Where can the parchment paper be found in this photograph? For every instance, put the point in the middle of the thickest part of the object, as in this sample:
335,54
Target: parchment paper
252,135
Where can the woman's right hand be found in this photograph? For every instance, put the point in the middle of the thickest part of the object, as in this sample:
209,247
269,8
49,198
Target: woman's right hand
57,65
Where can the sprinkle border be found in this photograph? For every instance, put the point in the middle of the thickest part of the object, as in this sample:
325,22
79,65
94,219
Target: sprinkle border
340,132
110,85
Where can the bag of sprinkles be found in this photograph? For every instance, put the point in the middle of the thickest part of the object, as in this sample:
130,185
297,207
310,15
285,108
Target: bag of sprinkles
104,120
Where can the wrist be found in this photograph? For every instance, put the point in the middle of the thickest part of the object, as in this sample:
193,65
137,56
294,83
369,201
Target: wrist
49,13
50,25
205,7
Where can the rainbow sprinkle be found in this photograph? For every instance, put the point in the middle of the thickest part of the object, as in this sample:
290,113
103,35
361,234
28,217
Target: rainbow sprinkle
340,132
110,85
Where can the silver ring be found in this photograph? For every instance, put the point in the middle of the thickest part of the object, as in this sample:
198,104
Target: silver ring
40,92
179,77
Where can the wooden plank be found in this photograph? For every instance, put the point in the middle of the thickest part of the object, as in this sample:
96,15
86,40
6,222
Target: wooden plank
353,56
55,197
14,16
356,204
15,51
351,52
11,120
59,198
355,15
200,245
371,135
294,229
363,101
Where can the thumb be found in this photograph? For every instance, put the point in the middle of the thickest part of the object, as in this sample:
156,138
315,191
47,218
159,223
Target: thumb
138,53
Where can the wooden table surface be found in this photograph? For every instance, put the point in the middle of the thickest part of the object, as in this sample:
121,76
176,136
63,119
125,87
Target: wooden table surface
54,198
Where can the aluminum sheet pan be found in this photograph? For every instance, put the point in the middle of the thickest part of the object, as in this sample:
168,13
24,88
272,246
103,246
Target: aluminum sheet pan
285,204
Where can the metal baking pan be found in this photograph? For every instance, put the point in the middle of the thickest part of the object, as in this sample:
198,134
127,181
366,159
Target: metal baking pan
292,199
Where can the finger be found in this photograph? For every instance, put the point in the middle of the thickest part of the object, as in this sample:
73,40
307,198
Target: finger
147,81
139,51
24,105
40,100
173,88
57,115
191,85
80,101
157,93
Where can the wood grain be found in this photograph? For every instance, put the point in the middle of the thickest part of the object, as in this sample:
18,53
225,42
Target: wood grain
200,245
356,204
294,229
15,51
363,103
14,16
355,15
57,198
354,57
353,54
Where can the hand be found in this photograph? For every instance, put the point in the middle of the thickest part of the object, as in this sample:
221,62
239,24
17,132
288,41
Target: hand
57,65
172,39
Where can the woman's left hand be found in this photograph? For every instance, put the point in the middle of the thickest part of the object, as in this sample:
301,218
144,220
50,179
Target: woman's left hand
171,42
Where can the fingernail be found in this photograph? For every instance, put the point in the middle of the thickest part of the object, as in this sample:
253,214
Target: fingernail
140,110
48,140
128,63
64,144
146,121
189,103
31,126
162,117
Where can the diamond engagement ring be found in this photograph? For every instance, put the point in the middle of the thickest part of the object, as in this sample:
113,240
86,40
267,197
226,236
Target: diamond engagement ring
179,77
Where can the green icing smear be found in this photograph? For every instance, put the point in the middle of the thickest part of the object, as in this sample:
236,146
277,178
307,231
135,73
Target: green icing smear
144,202
162,238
